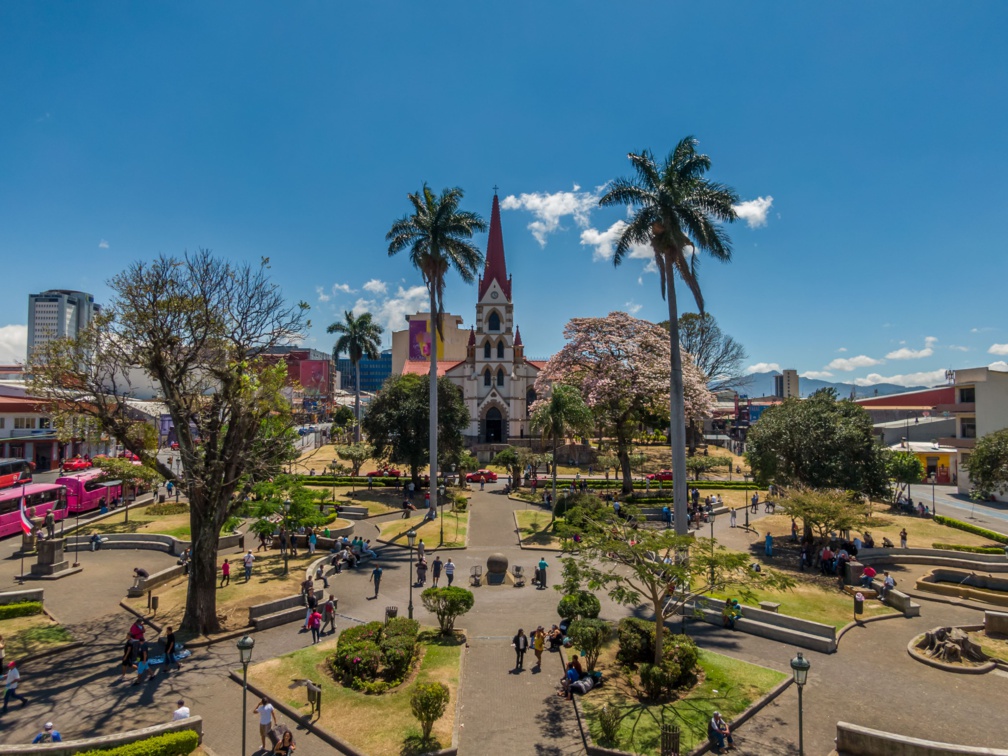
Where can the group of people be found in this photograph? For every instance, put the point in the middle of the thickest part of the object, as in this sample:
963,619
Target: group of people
136,654
540,639
247,561
317,618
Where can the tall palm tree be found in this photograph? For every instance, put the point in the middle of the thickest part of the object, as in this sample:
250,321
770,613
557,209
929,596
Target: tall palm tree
561,415
678,212
360,337
437,235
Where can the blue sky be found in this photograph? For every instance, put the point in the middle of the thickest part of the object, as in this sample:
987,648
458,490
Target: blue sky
867,141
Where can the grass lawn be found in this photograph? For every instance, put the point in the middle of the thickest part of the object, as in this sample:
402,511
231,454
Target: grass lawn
922,533
726,685
380,725
379,500
534,529
267,584
995,646
456,530
29,635
140,521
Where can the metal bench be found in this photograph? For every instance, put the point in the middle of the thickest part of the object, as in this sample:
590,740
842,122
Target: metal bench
476,574
519,575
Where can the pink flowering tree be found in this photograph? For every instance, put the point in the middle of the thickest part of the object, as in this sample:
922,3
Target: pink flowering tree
621,365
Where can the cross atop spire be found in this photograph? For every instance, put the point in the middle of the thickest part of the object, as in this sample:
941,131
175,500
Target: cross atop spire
495,190
496,267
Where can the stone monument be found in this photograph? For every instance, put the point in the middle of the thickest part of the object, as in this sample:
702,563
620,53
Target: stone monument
497,565
50,564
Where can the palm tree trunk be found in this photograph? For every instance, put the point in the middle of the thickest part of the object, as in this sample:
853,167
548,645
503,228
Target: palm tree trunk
433,392
357,401
677,412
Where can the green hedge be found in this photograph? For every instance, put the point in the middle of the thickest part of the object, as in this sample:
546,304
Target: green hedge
21,609
970,549
960,525
170,744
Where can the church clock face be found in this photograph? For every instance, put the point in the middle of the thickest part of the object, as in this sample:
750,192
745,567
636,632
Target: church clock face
493,295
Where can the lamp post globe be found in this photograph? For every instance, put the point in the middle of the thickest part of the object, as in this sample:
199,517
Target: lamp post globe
799,669
411,539
245,646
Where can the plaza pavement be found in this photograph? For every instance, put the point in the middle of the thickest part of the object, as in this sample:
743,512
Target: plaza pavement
870,681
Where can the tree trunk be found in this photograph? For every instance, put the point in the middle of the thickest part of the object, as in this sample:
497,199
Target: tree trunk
357,429
659,632
433,391
677,411
623,455
556,442
201,599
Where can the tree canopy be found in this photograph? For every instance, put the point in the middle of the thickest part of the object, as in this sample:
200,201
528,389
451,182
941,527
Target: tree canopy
904,468
818,442
620,366
397,420
716,354
197,328
561,414
825,511
359,337
988,465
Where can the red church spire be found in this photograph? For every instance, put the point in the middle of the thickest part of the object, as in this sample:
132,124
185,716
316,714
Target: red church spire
472,337
496,267
517,340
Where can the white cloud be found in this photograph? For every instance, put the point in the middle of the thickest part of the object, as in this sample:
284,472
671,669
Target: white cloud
338,288
549,208
604,244
999,349
1000,366
754,212
103,244
853,363
13,343
762,367
322,296
927,378
632,307
958,348
984,329
842,349
375,286
905,353
390,312
817,375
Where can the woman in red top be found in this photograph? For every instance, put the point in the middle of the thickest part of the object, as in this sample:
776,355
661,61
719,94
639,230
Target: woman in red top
225,573
315,625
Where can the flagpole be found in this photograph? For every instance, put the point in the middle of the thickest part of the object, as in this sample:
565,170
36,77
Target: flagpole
23,516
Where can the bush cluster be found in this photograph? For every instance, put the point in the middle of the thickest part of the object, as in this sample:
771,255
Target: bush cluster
579,605
166,509
960,525
970,549
428,702
375,657
20,609
636,649
170,744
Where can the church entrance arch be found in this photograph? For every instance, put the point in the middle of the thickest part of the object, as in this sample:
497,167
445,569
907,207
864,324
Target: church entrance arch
494,426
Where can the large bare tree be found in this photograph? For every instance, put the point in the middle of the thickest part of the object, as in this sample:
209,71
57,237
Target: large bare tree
197,329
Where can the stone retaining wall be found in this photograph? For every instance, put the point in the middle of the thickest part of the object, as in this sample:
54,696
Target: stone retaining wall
853,740
71,747
17,597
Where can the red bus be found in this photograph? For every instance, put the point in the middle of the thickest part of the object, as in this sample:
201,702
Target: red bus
15,472
84,491
39,499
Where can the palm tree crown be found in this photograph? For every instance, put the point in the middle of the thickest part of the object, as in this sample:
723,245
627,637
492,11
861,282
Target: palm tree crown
360,337
565,412
437,235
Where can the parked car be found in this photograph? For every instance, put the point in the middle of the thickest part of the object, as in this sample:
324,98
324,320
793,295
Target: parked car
390,472
127,454
660,475
489,475
75,464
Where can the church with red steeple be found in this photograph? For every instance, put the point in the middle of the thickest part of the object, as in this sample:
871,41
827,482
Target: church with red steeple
496,379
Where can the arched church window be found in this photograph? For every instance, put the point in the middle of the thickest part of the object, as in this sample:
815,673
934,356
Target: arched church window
500,349
500,376
487,377
530,397
493,322
486,351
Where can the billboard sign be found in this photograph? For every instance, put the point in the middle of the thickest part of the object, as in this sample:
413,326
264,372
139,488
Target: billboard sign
420,340
314,377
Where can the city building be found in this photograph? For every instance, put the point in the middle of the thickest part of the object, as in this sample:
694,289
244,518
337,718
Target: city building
786,385
373,373
413,343
27,432
311,378
58,314
980,407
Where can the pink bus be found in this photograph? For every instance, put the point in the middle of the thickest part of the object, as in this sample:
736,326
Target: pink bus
84,491
39,499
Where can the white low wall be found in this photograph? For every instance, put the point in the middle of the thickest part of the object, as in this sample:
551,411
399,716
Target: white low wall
853,740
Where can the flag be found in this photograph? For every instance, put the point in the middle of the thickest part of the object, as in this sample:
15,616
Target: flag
26,525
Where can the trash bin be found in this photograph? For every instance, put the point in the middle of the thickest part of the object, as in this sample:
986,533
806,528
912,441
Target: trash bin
859,604
161,498
155,600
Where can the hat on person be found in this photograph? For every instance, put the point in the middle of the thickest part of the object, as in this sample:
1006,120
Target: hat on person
717,713
48,725
12,664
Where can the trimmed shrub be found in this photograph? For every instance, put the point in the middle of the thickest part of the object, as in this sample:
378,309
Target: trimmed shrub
960,525
428,702
166,509
20,609
375,657
358,662
658,680
636,641
448,604
681,651
170,744
609,718
970,549
580,605
588,637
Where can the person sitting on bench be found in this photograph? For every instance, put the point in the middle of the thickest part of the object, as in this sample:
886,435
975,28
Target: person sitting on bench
96,541
719,734
555,637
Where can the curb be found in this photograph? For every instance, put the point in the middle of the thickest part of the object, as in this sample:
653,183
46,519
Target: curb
522,546
978,670
859,623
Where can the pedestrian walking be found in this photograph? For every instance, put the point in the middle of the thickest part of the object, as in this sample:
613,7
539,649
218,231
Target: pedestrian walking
538,644
482,481
421,572
170,651
435,574
520,643
421,549
311,602
182,712
768,545
315,625
312,541
143,666
11,682
225,570
375,578
449,570
329,614
755,502
794,531
127,658
48,735
733,517
248,560
903,538
267,719
542,572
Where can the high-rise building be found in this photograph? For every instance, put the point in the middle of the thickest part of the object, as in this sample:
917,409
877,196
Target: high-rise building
372,372
786,385
58,314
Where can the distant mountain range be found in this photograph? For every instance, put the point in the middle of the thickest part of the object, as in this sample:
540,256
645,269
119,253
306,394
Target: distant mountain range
762,384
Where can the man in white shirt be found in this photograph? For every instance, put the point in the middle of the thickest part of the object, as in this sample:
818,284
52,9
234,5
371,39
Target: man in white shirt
11,684
267,718
182,712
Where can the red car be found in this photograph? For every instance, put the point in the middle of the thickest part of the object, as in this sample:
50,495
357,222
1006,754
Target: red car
489,475
174,446
127,454
661,475
75,464
391,472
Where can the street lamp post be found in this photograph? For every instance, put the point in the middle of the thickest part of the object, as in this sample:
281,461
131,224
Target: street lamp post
411,539
441,498
245,646
933,476
799,668
289,536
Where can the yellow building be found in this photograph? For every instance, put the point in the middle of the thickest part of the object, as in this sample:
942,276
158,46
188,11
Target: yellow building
938,460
